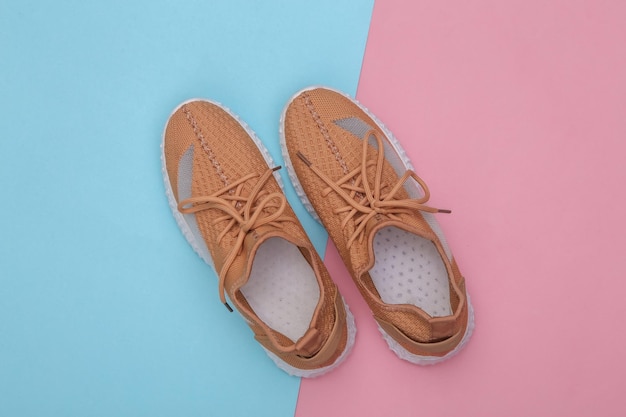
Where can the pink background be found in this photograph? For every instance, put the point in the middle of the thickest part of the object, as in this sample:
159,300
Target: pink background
514,113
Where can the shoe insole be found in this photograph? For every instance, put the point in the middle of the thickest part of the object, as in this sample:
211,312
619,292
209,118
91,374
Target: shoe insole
282,288
409,270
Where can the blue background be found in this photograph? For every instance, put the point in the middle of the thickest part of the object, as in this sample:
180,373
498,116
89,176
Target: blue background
104,309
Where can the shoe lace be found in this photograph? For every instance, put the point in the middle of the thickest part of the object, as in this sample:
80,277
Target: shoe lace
365,200
244,213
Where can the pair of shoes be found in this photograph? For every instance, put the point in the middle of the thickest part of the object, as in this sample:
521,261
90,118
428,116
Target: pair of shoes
353,177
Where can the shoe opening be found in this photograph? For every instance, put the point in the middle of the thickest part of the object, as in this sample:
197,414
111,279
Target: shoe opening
409,270
282,289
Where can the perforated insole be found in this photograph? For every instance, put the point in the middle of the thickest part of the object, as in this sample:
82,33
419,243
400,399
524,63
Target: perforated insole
282,289
409,270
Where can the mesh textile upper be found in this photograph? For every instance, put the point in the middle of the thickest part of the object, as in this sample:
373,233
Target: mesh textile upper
224,152
312,128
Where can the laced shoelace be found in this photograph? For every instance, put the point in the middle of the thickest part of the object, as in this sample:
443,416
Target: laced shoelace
365,200
246,213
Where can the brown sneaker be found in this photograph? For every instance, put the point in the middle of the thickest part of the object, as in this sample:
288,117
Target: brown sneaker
353,176
225,195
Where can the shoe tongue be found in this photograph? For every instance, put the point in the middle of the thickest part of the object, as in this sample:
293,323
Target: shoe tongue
362,253
239,272
412,223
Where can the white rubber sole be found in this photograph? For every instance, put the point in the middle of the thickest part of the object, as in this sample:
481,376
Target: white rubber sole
395,144
205,256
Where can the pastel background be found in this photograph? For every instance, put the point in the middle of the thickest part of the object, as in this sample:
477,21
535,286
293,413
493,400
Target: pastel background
104,308
514,112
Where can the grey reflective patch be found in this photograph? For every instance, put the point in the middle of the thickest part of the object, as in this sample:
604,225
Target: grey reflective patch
354,125
185,170
390,155
359,128
185,174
